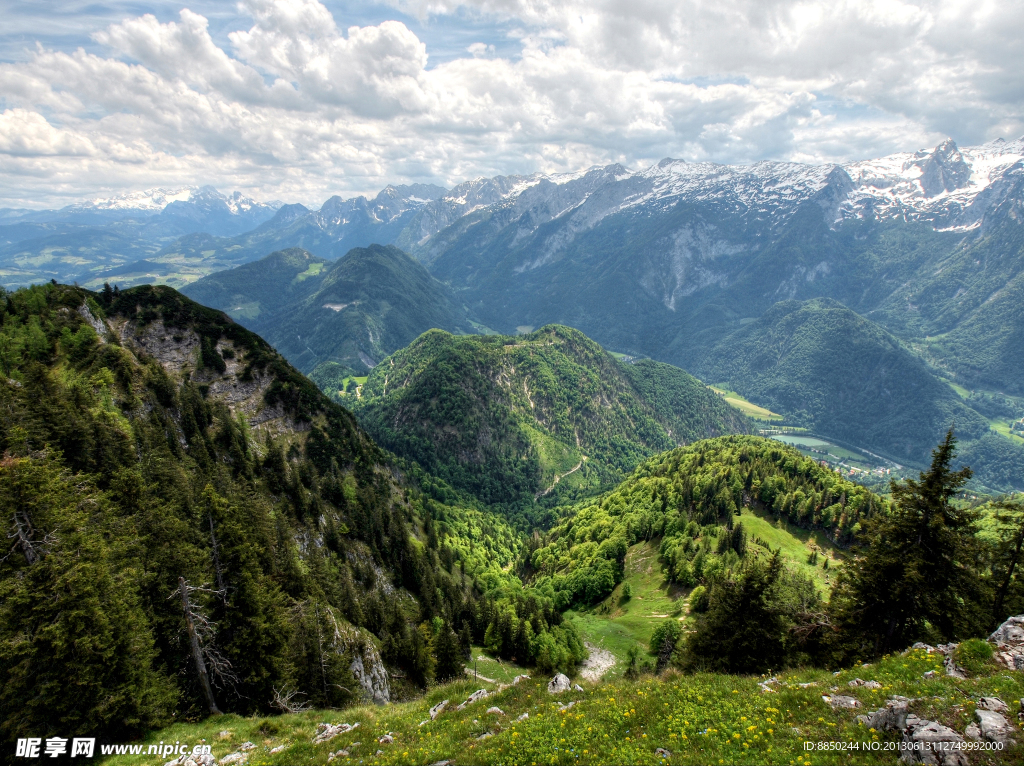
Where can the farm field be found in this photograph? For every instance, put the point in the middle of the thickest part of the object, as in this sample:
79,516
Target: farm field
740,403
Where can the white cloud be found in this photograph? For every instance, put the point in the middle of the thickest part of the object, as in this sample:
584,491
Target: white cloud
296,107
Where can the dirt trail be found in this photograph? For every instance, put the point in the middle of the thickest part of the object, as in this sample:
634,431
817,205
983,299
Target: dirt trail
597,664
471,674
558,478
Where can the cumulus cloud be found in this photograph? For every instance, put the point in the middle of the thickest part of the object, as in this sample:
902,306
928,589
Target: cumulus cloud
295,106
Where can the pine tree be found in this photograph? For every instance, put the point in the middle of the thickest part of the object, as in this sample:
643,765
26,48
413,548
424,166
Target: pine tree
76,648
919,576
448,654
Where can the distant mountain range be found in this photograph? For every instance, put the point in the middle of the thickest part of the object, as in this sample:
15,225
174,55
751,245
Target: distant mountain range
680,262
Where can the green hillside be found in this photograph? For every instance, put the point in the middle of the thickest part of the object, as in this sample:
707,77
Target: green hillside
146,438
261,287
353,311
984,349
512,419
368,304
691,501
826,368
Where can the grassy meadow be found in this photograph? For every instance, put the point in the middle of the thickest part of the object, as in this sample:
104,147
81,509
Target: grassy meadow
698,719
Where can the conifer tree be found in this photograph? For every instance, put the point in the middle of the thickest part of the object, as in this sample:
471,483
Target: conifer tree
76,649
448,654
919,575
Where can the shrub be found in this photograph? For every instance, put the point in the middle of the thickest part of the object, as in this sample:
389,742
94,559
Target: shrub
974,655
699,600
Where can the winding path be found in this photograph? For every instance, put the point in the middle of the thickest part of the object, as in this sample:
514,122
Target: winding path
558,478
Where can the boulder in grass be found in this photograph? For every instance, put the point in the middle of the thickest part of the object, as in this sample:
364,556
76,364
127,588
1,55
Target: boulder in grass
932,744
326,731
994,704
438,709
842,702
560,683
892,717
662,753
994,727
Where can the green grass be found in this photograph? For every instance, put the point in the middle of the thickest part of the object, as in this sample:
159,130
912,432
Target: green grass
796,545
494,668
616,623
962,392
350,385
700,719
1002,427
740,403
313,270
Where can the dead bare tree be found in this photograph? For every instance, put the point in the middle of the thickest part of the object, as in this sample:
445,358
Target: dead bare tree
285,701
23,533
208,661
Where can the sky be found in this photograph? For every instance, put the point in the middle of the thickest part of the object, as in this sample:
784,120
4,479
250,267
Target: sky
297,100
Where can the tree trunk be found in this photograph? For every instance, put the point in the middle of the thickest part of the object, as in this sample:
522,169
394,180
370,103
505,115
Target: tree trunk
197,653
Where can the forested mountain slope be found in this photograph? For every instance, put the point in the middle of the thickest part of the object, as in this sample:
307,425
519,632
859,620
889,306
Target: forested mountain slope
367,305
353,311
846,377
509,418
154,449
686,499
261,287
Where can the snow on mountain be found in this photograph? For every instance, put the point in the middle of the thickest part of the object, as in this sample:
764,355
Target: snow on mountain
156,200
939,185
150,200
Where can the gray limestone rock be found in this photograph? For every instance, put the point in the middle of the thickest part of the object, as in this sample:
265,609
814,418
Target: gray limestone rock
926,742
560,683
994,704
892,717
438,709
840,701
994,727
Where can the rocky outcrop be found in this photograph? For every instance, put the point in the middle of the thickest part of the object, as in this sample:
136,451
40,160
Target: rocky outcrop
992,727
1009,641
97,324
928,742
892,717
368,670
